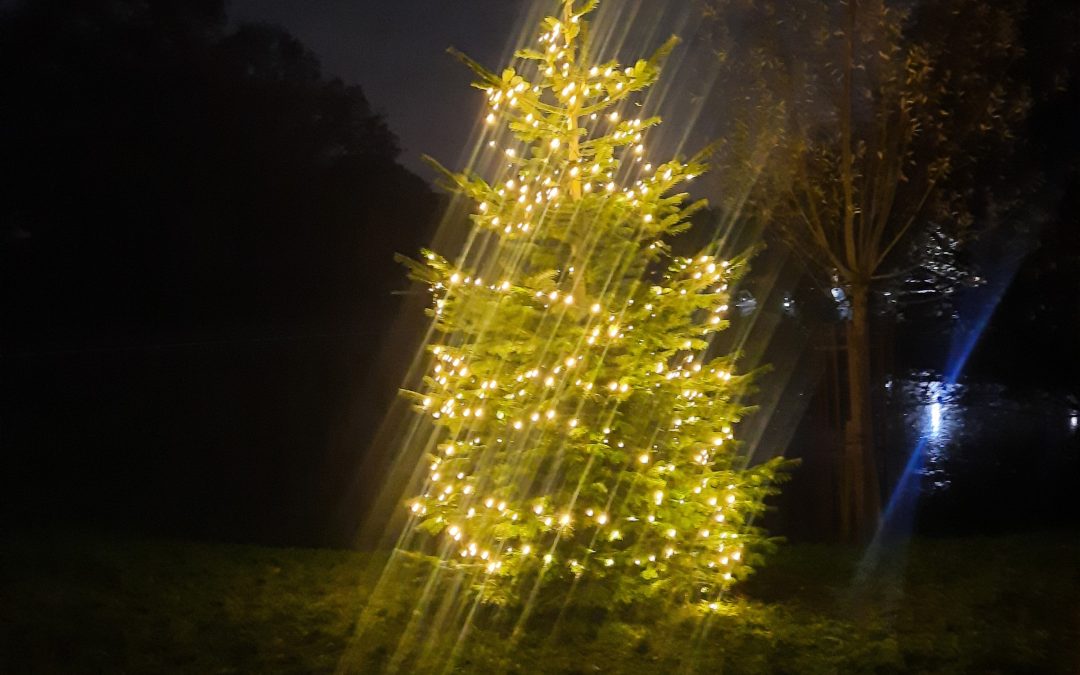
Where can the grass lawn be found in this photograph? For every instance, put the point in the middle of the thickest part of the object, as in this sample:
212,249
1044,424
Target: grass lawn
81,604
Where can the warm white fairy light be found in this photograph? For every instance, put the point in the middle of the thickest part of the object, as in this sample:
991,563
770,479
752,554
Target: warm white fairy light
572,155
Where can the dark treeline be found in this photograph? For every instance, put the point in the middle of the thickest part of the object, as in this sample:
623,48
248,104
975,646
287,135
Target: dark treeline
198,235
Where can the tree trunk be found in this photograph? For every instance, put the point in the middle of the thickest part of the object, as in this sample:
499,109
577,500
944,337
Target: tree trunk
859,483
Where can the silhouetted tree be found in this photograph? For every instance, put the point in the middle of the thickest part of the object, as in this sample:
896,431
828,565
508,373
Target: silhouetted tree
872,137
172,179
173,175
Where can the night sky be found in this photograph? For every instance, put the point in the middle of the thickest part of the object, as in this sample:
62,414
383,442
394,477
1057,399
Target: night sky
396,51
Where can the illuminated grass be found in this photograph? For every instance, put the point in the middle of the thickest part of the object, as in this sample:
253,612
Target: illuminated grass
111,605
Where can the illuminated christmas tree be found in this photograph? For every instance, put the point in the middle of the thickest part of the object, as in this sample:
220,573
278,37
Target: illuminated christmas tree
587,434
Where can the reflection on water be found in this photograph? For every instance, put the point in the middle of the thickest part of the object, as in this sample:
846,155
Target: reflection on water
953,459
933,420
978,434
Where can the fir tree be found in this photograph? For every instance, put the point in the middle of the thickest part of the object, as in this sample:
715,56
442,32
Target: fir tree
587,433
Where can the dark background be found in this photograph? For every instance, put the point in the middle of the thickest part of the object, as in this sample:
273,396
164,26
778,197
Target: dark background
197,227
198,234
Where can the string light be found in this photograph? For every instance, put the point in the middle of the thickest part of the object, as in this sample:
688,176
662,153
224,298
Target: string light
550,338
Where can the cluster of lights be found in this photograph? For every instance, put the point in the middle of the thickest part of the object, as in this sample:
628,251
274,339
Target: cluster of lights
551,158
448,363
573,154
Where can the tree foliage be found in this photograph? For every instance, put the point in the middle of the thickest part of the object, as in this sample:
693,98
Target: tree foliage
869,134
196,236
216,168
871,130
586,432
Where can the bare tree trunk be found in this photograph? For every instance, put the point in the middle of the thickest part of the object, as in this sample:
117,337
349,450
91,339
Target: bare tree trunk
859,484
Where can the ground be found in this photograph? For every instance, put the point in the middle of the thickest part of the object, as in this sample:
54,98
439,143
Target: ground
90,604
